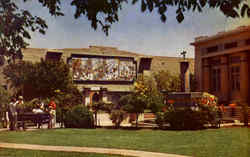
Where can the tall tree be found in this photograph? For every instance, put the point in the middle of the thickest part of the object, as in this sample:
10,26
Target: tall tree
17,74
146,87
133,103
15,23
167,82
40,79
4,99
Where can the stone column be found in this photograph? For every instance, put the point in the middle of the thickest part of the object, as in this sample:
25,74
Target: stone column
225,85
244,77
206,76
87,96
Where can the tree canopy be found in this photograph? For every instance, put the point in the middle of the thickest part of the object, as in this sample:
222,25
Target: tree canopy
42,79
167,81
16,23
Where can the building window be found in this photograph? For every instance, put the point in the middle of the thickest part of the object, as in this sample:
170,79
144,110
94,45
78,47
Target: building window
215,79
53,56
248,42
215,61
235,78
230,45
235,59
212,49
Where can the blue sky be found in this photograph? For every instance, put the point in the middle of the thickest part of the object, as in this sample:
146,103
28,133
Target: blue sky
137,32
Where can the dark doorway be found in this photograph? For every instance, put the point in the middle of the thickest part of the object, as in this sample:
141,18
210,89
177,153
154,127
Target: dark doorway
96,98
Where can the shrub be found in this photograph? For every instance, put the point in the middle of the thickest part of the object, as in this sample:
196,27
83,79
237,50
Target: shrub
79,117
117,116
100,106
186,118
160,119
244,112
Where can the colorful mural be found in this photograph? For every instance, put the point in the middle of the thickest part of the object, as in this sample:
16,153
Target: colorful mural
103,69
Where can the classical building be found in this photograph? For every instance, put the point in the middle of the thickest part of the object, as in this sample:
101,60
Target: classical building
222,64
105,73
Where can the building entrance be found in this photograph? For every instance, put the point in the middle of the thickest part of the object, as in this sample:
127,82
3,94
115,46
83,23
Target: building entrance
96,98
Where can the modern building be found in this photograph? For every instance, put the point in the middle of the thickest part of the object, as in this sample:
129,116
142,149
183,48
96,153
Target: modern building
222,64
105,73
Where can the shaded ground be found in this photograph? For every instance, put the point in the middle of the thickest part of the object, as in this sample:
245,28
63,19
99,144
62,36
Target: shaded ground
5,152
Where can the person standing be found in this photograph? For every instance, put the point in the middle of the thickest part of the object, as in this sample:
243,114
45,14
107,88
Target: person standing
52,111
12,113
19,108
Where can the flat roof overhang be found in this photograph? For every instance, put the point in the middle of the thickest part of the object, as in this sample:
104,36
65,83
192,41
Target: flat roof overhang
229,51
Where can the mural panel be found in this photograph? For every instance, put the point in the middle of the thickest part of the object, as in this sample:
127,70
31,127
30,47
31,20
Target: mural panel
103,69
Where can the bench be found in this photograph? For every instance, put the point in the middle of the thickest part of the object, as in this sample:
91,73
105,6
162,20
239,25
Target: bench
35,118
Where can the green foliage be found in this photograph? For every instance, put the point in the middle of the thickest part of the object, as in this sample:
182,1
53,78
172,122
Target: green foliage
133,103
116,112
18,74
4,100
66,100
100,106
117,116
79,117
184,119
188,118
160,119
50,76
167,82
147,88
71,97
15,25
155,103
40,79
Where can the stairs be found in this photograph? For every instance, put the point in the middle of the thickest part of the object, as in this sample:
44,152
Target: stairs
238,114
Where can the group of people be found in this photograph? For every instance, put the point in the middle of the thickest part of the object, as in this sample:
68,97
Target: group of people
48,108
13,109
15,106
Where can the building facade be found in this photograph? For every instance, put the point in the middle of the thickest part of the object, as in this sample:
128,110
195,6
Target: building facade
222,64
105,73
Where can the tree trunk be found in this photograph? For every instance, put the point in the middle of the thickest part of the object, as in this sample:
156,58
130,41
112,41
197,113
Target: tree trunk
95,118
136,120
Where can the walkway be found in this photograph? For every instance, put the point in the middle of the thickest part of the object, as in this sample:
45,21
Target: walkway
123,152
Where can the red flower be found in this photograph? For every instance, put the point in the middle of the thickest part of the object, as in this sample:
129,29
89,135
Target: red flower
52,104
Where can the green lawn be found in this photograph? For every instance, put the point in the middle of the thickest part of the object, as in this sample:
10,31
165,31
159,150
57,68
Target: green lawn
37,153
225,142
